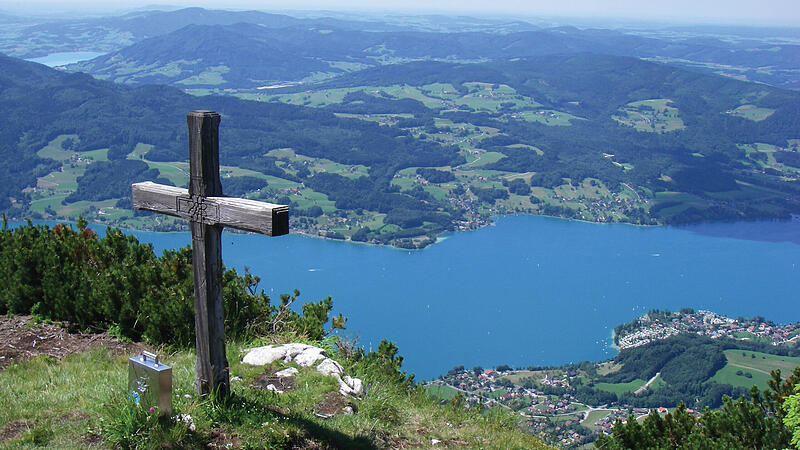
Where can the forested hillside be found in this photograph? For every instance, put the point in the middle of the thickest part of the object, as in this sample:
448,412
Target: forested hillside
401,153
693,147
138,129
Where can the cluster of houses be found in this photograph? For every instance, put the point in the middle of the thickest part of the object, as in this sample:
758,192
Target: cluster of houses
652,327
559,419
549,405
487,388
645,335
606,423
548,114
564,435
491,388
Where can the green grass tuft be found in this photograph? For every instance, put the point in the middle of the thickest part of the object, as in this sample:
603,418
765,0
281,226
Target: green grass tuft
132,426
81,402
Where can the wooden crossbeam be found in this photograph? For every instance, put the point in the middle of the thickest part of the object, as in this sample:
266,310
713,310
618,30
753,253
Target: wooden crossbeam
239,213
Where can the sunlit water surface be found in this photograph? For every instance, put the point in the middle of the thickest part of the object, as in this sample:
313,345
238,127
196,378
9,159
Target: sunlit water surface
530,290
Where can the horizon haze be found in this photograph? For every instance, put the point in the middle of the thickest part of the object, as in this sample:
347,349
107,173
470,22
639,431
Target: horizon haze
716,12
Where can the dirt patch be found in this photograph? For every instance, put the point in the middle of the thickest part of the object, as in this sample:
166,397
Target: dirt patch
302,443
387,440
333,404
220,438
282,384
15,429
22,339
75,417
92,439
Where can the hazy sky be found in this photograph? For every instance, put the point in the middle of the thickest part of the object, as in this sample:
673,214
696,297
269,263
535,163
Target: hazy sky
755,12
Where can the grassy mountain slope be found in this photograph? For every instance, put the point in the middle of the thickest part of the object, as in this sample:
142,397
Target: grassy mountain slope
116,285
67,415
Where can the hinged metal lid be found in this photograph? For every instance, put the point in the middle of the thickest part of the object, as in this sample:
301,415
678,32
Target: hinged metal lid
149,360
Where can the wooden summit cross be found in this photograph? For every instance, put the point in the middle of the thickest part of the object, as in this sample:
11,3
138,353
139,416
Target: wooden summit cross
208,212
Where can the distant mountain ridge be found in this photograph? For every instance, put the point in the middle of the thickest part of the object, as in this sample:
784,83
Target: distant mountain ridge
107,34
753,54
283,51
238,55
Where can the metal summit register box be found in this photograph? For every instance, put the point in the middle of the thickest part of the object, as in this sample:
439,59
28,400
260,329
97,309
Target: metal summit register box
150,382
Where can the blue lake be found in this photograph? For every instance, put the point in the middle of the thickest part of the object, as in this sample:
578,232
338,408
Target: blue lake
530,290
64,58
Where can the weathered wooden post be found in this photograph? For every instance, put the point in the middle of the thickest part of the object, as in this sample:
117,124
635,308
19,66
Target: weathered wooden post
208,212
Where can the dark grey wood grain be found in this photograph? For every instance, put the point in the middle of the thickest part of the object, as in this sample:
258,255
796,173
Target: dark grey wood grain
157,198
211,368
204,153
207,211
239,213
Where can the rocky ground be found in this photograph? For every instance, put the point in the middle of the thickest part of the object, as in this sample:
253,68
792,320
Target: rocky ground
22,338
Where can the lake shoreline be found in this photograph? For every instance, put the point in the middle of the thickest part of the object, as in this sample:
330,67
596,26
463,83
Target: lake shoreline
446,235
562,284
61,59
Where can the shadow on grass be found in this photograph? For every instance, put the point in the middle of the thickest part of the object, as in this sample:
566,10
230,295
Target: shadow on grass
331,437
238,410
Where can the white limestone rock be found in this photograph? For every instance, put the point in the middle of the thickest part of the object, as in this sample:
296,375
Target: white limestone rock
290,372
349,386
344,389
329,367
309,356
292,350
261,356
355,384
306,356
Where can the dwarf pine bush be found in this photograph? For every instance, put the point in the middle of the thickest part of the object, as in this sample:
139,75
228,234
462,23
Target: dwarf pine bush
95,283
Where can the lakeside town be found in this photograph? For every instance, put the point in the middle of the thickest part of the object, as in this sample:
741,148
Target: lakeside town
544,396
536,395
657,325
